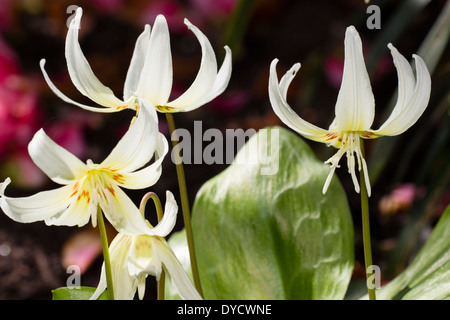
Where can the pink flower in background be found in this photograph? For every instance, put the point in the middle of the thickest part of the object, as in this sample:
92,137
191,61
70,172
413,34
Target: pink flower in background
20,118
108,6
19,114
230,103
213,9
6,14
170,9
400,199
334,69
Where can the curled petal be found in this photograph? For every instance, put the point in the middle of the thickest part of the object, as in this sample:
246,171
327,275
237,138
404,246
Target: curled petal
65,98
155,83
411,102
277,96
122,212
169,219
56,162
81,73
149,175
178,276
45,206
137,146
355,105
205,80
136,64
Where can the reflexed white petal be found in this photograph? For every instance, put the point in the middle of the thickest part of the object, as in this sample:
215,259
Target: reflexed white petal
406,80
78,214
41,206
81,73
219,86
124,284
102,285
277,96
355,105
148,176
175,271
137,146
166,225
411,103
206,76
155,83
122,212
137,64
63,97
56,162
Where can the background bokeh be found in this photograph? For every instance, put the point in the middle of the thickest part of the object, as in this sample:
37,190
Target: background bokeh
410,174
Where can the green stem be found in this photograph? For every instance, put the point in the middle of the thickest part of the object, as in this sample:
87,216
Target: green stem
101,226
184,202
159,212
366,228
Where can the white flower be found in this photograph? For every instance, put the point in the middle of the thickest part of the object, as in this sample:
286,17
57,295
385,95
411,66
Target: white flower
133,257
355,106
87,185
149,75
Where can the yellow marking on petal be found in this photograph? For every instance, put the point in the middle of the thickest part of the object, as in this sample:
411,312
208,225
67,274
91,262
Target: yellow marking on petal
165,108
367,135
75,189
331,136
119,178
142,242
84,194
111,189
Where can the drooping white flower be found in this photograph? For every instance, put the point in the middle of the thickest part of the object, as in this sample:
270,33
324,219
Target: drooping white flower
85,186
355,106
133,257
149,75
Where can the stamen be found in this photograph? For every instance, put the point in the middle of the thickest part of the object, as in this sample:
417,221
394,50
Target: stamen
352,148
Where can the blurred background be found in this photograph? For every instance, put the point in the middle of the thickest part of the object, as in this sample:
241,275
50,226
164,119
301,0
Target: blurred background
410,173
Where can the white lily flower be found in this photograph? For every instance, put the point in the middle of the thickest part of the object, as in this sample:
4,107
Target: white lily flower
133,257
149,75
87,185
355,106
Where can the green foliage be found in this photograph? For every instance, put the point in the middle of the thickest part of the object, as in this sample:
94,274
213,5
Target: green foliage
77,293
273,236
428,276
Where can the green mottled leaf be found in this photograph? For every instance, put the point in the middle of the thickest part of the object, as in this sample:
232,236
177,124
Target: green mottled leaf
264,230
428,276
77,293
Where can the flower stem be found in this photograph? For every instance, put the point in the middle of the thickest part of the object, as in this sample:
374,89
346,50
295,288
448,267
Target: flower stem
159,212
184,202
101,226
366,228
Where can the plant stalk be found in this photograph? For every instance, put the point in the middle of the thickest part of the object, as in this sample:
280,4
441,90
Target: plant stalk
184,202
160,213
366,228
101,226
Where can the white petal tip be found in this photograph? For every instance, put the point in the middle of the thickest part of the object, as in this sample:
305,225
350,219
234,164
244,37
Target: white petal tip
295,67
391,47
352,30
3,186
